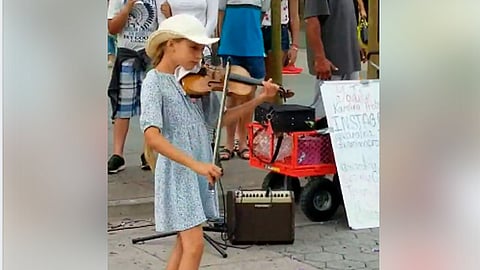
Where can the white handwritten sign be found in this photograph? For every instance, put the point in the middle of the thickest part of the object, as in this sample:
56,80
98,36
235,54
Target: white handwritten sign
352,109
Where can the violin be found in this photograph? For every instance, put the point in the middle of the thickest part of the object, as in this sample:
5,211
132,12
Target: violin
210,78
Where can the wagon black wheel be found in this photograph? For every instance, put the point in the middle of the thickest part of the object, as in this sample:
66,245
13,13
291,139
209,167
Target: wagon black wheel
320,199
275,181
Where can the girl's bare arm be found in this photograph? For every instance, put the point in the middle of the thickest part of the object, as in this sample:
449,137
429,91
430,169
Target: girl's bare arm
155,139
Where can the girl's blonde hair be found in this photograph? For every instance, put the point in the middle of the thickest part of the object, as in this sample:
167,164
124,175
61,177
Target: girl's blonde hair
150,157
157,57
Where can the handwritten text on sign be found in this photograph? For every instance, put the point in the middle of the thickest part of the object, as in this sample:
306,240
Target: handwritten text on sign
352,109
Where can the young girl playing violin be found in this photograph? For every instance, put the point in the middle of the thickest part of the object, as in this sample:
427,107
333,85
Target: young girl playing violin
176,129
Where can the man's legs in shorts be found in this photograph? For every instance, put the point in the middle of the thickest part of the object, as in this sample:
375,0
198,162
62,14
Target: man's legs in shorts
241,127
120,131
317,99
256,67
128,106
227,152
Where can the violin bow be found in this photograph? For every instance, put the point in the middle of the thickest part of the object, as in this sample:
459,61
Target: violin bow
218,130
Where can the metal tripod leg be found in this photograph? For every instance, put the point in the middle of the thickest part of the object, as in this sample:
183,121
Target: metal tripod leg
215,245
207,238
151,237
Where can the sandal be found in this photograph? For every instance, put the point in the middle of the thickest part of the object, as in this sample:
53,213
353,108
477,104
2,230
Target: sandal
244,154
225,154
235,145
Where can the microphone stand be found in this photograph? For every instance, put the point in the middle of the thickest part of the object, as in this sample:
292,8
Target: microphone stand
223,228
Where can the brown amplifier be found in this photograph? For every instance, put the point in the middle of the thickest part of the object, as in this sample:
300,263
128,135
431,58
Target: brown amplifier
260,217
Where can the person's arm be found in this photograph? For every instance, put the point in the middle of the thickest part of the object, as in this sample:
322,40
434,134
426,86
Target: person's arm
313,34
117,20
232,114
166,9
313,10
294,21
155,140
212,17
361,9
222,5
221,14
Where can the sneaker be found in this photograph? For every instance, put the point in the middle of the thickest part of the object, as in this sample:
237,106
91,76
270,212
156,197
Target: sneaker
291,69
144,165
116,164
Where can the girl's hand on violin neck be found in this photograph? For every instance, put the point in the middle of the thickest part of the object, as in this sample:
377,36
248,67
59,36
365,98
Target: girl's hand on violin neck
210,171
269,89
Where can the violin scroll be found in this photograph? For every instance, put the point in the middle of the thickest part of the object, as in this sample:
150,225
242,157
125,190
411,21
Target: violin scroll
285,93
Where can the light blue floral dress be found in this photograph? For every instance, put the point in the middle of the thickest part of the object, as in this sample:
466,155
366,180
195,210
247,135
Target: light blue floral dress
182,198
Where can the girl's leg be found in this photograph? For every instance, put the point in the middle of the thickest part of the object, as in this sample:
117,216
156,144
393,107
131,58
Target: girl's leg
192,248
174,260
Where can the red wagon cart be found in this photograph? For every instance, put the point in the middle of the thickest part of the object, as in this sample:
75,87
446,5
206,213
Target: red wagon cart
290,156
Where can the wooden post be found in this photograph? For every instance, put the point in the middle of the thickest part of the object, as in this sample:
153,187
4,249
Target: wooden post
276,65
373,38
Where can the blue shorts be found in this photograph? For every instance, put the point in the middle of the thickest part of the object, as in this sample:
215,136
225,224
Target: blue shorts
267,38
255,65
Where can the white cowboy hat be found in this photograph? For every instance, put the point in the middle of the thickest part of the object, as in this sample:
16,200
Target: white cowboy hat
178,26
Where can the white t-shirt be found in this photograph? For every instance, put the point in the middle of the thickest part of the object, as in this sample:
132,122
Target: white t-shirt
284,15
206,11
142,21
